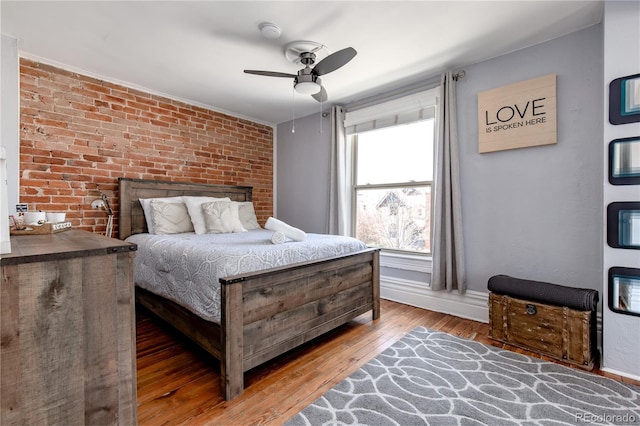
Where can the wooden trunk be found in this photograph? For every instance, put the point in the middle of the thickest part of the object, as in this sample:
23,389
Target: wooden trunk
68,331
558,332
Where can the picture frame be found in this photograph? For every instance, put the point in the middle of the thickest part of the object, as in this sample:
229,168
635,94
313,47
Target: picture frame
624,100
623,225
624,161
624,290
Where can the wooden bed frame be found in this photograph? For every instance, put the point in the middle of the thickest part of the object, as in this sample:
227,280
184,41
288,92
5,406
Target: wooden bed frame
265,313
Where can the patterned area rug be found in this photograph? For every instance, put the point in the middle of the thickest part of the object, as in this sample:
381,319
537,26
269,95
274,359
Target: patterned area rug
434,378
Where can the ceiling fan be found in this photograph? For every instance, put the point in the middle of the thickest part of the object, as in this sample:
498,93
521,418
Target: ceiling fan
307,81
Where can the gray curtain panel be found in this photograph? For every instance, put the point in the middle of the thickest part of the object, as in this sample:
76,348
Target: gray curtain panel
448,271
337,224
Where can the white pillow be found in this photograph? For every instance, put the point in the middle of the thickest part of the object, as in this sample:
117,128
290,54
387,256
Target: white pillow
235,214
221,218
247,215
146,208
194,206
170,218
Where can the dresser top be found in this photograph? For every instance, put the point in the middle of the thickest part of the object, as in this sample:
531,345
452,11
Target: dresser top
61,245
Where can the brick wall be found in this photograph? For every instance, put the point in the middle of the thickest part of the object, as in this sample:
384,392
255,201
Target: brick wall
78,135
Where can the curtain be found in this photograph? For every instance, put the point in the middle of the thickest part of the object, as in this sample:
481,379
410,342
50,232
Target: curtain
337,221
448,252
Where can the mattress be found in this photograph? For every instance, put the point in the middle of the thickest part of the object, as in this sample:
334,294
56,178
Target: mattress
186,268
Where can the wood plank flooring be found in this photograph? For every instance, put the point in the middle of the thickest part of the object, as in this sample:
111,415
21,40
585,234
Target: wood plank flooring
179,384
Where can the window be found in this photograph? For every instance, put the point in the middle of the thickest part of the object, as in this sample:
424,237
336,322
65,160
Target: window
392,173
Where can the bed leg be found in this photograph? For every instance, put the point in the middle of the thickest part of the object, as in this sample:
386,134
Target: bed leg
376,285
231,324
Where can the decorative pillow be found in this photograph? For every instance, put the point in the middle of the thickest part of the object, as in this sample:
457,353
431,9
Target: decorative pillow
219,218
146,208
247,215
170,218
235,214
194,206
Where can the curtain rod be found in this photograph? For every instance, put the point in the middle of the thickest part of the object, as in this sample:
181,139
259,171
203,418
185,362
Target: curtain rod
409,89
460,74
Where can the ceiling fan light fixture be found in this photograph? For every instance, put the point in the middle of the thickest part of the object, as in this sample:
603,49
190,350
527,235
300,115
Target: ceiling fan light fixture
307,87
269,30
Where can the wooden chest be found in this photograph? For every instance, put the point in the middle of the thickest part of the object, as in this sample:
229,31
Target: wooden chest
559,332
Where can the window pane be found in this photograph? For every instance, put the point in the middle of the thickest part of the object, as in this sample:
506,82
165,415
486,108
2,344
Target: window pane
396,154
395,218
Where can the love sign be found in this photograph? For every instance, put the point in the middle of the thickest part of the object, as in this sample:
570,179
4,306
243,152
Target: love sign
518,115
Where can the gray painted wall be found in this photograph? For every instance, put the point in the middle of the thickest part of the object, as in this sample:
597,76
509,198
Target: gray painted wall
302,173
536,212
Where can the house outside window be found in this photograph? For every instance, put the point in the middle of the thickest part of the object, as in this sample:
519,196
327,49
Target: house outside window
392,173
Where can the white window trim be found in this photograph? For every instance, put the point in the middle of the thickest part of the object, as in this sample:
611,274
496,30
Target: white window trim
406,261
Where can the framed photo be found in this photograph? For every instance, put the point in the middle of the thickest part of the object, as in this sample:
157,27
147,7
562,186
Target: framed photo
624,100
623,225
624,290
624,161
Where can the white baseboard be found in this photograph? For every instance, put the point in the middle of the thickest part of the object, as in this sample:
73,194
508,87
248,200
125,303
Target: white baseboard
620,373
471,305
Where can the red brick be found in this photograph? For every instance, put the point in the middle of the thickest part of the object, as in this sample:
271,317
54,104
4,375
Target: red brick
97,116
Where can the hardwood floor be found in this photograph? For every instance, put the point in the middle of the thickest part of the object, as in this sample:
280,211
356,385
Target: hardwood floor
179,384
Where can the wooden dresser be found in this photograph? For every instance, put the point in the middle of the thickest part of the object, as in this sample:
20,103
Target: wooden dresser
67,348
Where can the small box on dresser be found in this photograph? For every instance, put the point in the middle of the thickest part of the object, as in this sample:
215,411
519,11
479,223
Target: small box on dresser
553,320
68,331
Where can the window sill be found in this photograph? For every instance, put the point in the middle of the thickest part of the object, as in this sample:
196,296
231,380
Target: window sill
406,261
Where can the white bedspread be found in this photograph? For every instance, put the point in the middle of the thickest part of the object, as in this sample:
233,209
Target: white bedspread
185,268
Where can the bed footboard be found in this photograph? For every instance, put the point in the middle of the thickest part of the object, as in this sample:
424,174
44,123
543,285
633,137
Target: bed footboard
265,314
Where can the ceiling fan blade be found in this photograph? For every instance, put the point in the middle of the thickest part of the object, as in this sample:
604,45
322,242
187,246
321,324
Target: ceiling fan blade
321,96
270,73
334,61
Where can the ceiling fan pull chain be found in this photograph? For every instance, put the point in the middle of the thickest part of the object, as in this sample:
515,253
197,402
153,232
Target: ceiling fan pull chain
321,103
293,103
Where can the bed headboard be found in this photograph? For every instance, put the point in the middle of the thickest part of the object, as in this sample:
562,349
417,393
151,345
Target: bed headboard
131,217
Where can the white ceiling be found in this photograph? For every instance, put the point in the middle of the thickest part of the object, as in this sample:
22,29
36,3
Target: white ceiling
196,51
